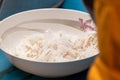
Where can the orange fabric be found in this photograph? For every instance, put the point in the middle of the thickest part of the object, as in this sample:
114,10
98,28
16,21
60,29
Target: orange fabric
107,64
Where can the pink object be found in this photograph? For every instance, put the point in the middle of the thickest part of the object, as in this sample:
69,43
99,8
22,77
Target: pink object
85,24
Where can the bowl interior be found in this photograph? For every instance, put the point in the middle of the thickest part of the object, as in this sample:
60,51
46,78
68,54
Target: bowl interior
13,36
21,25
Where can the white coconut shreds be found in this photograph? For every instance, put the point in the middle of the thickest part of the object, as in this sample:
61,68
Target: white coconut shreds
57,47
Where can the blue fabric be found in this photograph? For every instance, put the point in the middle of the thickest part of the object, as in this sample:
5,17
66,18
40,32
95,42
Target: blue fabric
4,63
14,6
8,72
74,4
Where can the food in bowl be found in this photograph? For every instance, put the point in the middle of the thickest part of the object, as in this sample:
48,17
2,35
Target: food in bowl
59,21
56,46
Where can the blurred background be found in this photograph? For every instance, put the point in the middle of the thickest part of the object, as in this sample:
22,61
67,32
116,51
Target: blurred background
10,7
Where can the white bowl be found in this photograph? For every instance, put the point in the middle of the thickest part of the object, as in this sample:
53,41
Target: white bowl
54,19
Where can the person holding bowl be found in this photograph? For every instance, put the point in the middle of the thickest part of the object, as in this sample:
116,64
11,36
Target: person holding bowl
106,16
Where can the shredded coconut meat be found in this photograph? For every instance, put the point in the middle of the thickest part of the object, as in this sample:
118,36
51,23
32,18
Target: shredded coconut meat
57,47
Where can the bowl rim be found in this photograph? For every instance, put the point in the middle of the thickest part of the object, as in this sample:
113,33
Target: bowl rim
43,9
